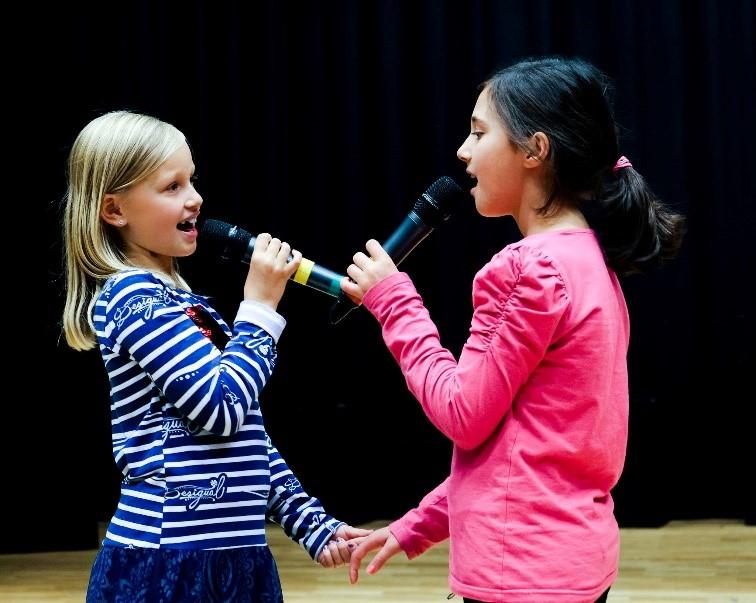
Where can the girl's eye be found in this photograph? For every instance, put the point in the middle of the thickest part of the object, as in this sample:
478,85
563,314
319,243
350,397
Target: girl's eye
176,185
477,134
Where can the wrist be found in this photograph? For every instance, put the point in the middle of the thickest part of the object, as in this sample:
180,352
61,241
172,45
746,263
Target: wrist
262,315
268,303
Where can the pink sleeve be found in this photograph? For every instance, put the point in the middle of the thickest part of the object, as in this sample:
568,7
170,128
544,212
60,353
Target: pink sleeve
424,526
518,300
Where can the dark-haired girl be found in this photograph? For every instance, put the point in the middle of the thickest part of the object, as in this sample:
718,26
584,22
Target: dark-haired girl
537,404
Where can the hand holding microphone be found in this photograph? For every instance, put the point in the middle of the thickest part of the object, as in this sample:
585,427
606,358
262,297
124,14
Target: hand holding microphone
233,243
367,271
273,262
432,209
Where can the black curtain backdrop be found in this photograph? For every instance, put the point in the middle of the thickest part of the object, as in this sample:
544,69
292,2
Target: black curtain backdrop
322,122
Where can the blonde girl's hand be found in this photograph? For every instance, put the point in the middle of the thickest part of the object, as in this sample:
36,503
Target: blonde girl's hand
269,270
367,270
338,551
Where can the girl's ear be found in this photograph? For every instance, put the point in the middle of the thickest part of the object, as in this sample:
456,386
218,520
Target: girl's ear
539,150
110,211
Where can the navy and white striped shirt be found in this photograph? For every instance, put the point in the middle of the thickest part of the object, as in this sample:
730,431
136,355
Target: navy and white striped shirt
199,470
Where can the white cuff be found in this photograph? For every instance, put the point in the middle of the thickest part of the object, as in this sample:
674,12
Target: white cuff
263,316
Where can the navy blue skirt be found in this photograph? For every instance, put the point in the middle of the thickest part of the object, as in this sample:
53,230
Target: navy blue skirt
137,575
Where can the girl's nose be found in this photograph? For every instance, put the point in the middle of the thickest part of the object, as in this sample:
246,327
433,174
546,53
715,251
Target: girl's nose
195,200
463,154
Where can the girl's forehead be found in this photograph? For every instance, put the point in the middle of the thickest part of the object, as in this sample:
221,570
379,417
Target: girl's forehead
484,110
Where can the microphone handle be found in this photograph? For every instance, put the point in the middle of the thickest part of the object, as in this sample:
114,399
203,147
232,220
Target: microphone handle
318,277
409,235
309,273
399,245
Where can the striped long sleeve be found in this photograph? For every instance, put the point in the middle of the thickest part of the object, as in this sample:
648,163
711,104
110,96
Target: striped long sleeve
170,357
199,469
301,516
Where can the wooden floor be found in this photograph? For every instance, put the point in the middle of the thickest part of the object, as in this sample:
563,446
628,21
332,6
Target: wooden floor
682,562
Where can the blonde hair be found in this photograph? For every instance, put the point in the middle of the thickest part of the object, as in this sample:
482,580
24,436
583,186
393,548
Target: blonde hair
111,153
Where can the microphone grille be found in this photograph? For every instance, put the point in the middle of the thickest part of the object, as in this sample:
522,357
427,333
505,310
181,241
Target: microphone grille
225,239
213,230
438,201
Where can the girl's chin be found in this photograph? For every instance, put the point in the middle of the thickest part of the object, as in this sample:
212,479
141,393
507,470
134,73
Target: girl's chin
481,207
187,251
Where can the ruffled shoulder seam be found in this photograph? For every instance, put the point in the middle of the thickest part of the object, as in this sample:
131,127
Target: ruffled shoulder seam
504,305
537,252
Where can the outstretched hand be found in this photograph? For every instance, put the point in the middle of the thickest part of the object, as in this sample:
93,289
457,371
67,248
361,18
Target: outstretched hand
367,270
339,548
382,539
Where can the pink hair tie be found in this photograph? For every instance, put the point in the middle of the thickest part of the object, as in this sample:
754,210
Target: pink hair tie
622,162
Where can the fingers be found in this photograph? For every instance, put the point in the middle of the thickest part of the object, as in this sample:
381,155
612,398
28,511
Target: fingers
346,531
269,270
370,543
382,539
283,252
355,273
274,247
335,553
263,241
356,560
352,532
340,551
325,558
267,247
293,265
267,243
353,291
276,252
361,260
367,270
380,559
375,250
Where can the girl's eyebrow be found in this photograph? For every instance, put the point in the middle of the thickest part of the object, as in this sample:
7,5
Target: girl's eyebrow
476,120
175,173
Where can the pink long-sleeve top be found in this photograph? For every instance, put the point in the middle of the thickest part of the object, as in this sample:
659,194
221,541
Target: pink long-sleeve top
537,410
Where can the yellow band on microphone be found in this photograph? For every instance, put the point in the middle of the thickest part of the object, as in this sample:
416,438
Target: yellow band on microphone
303,272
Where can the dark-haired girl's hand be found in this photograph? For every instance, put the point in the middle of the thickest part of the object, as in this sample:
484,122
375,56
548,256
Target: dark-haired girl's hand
367,270
380,539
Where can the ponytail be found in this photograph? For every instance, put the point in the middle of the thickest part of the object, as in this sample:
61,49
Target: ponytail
568,100
635,229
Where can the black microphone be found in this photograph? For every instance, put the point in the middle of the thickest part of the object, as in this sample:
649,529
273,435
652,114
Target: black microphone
433,208
234,243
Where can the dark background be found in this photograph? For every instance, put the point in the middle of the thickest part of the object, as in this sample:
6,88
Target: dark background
322,122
